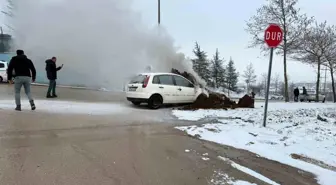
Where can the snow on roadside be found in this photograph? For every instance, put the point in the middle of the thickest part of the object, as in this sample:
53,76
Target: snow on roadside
221,178
293,128
68,107
249,171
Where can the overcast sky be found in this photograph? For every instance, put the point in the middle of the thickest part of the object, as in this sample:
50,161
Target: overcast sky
220,24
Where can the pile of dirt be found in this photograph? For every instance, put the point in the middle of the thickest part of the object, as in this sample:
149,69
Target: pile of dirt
185,74
246,102
215,100
219,101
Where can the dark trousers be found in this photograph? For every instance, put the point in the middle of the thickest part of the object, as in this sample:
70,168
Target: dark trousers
296,98
52,87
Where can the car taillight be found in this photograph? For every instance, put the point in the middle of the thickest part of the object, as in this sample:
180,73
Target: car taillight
145,83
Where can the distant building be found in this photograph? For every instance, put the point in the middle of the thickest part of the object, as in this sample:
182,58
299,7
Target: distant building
5,43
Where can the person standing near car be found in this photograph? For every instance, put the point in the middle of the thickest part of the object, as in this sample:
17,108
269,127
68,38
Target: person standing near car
296,94
25,73
51,70
304,93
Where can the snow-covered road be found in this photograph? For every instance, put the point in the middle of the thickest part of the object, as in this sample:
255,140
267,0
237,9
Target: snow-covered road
294,135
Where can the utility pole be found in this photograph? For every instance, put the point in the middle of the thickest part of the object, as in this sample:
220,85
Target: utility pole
2,50
159,12
325,80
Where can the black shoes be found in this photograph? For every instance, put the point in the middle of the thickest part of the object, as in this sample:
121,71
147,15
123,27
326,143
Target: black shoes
53,96
18,108
32,105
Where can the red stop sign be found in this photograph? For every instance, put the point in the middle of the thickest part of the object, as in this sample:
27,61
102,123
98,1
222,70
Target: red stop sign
273,35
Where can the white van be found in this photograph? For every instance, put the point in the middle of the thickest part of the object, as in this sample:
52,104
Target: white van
3,71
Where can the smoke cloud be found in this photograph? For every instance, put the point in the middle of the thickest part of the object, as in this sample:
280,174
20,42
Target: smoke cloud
101,43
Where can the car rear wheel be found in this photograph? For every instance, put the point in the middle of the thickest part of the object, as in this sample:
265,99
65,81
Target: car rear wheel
136,103
1,79
155,101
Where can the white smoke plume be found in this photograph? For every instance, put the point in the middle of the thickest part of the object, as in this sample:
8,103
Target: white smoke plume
102,43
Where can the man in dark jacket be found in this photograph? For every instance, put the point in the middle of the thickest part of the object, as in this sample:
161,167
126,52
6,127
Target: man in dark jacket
52,76
296,94
25,73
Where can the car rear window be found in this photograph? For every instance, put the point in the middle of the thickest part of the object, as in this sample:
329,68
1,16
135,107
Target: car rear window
138,79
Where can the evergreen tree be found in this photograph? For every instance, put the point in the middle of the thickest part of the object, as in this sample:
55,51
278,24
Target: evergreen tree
231,76
217,71
200,64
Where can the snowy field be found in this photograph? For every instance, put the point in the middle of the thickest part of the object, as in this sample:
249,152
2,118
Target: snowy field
302,135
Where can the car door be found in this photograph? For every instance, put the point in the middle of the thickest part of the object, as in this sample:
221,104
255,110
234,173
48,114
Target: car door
185,89
164,85
3,73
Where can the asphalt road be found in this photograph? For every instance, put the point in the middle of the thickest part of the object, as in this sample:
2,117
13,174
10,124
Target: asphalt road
122,146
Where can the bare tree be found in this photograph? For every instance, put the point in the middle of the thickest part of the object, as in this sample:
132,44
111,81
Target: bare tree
287,15
263,84
330,57
250,76
276,79
314,45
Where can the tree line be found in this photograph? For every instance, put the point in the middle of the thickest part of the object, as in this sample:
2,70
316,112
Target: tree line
259,86
304,39
214,71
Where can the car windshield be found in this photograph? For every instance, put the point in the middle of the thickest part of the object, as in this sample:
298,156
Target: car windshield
138,79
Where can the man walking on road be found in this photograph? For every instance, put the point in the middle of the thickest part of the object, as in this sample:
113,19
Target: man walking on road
52,76
25,73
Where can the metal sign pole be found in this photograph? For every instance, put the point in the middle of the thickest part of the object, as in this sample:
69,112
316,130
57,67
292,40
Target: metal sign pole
268,86
159,12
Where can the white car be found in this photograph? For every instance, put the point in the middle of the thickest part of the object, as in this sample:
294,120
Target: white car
276,97
157,89
312,97
3,71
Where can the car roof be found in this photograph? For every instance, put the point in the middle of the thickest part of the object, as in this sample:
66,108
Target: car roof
153,74
159,74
